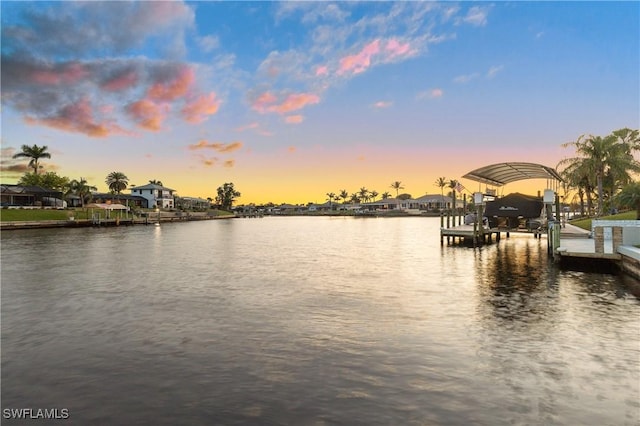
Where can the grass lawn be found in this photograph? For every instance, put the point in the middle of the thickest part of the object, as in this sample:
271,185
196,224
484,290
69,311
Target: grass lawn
8,215
586,223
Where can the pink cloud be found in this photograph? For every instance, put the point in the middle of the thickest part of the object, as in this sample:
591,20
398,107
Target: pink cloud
78,118
120,82
395,48
382,104
198,109
436,93
70,73
216,146
292,149
361,61
264,101
294,119
175,88
148,114
253,125
295,101
322,70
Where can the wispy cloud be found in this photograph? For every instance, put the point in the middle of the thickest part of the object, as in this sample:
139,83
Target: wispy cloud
382,104
465,78
209,43
269,103
216,146
199,108
430,94
476,15
294,119
494,70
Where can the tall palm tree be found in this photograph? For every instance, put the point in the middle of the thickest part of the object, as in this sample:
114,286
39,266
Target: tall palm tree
630,197
117,182
441,183
34,153
397,185
355,199
453,184
82,189
330,197
363,194
344,195
373,194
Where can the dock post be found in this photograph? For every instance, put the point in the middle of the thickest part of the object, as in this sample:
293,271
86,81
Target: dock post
441,226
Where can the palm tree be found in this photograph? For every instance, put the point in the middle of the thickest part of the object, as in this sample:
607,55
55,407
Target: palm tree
331,196
630,197
355,199
155,182
363,194
598,156
344,195
453,184
117,182
373,194
82,189
35,153
385,195
441,183
397,185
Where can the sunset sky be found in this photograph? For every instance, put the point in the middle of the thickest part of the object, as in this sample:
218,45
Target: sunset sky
291,100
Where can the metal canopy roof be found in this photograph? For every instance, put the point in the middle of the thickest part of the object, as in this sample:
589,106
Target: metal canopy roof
503,173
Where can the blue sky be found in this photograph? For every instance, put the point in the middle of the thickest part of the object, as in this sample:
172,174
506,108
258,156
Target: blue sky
291,100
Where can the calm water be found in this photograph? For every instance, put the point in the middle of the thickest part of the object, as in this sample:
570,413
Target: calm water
311,321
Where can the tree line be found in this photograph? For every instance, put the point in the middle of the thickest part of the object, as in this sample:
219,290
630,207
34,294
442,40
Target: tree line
116,181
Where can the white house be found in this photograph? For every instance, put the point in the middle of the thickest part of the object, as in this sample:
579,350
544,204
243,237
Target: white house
156,195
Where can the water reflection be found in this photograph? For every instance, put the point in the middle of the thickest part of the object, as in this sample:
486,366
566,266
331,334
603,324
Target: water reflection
311,321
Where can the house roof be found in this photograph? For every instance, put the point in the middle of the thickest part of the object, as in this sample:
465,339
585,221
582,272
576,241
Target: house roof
433,198
152,186
502,173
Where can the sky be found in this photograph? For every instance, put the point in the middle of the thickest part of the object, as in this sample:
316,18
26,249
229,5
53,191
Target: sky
290,101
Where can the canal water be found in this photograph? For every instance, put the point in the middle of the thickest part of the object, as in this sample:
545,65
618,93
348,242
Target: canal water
310,321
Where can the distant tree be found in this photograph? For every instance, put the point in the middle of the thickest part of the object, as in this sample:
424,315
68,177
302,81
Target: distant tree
385,195
155,182
117,182
344,195
397,185
34,153
373,194
226,196
363,194
630,197
82,189
404,197
441,183
330,197
355,199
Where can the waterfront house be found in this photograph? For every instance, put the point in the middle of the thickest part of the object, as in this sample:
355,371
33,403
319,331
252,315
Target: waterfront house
29,196
157,196
128,200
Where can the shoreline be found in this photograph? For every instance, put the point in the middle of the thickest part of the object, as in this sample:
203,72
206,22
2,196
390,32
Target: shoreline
85,223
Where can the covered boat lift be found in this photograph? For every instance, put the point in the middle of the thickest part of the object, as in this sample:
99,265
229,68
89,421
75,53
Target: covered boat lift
498,175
